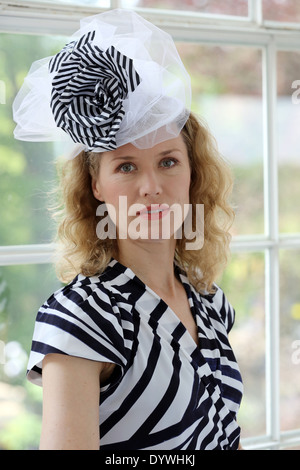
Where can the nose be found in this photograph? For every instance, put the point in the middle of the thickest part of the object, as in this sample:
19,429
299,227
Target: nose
150,184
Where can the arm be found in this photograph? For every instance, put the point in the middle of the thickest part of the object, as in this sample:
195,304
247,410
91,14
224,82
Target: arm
71,390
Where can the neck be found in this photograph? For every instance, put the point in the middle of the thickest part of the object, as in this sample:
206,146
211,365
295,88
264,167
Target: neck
153,263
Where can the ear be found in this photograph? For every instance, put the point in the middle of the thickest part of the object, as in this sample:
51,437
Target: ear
96,190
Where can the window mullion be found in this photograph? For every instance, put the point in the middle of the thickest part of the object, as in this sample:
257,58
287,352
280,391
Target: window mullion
255,11
26,254
115,4
271,229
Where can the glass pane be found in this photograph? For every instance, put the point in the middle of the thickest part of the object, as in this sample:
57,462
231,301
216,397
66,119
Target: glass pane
292,448
26,168
244,285
281,10
215,7
23,289
290,339
288,113
227,94
82,3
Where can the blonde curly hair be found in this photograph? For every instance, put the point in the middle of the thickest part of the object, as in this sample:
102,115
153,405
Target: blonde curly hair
79,250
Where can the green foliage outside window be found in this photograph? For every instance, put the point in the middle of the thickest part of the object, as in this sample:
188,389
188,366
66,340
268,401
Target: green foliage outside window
26,176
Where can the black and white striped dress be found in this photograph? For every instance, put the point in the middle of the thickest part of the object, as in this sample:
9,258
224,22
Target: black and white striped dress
165,392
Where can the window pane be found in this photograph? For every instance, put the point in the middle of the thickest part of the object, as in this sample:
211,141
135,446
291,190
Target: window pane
82,3
230,7
288,113
243,283
293,448
23,289
227,93
290,339
281,10
26,168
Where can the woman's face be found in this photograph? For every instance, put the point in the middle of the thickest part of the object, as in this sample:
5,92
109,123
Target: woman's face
146,190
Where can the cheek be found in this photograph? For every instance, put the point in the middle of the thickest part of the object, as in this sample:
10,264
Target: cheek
109,189
111,195
116,196
118,189
182,188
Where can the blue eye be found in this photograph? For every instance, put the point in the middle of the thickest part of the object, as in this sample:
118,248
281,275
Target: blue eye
169,162
126,167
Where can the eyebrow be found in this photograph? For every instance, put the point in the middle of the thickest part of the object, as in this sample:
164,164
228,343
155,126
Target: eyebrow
128,157
166,152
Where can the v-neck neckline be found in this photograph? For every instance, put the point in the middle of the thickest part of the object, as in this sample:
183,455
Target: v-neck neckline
148,302
183,335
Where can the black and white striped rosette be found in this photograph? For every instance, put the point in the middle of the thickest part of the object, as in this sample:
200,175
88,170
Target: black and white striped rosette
89,87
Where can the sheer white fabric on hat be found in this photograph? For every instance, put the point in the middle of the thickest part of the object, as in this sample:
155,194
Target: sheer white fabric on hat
119,80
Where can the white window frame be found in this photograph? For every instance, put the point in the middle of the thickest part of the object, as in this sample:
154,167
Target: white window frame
41,18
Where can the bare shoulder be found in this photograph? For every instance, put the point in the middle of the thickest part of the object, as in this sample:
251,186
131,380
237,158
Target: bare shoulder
70,365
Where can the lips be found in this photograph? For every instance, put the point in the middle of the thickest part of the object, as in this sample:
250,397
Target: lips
154,211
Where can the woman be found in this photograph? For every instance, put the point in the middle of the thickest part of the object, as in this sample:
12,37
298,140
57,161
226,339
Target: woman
141,323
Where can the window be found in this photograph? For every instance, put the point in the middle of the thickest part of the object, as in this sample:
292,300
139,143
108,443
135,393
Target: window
231,7
281,10
243,57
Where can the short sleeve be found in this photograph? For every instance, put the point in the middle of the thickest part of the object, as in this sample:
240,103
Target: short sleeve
78,320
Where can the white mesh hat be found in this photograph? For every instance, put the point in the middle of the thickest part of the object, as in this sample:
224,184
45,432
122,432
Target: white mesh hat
119,80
